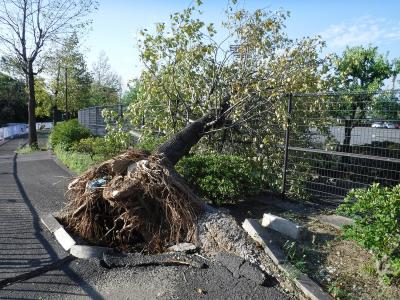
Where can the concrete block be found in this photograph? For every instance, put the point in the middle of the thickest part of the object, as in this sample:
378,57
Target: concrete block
183,247
50,222
283,226
65,240
261,235
336,221
86,252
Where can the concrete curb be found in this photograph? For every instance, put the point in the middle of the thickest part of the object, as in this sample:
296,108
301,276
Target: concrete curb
68,243
310,288
335,221
61,165
283,226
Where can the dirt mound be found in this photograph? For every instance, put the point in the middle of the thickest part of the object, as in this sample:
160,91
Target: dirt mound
133,202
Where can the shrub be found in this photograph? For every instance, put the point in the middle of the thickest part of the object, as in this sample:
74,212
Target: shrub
377,224
221,178
67,133
95,146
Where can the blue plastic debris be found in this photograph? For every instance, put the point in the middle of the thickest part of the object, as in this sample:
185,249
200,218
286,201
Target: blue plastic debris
96,183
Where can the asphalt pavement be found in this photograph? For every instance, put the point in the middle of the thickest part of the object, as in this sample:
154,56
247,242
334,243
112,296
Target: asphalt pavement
34,266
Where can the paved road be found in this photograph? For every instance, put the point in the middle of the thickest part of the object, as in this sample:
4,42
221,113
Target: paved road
32,185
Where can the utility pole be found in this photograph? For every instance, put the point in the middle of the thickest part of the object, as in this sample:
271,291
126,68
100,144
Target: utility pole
66,94
56,94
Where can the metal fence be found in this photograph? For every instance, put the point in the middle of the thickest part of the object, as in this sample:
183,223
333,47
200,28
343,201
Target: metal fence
92,118
338,141
333,141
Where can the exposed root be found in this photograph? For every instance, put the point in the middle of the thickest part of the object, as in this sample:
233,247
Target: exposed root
143,205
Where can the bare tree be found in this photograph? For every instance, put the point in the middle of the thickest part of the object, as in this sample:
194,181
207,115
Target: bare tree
106,86
28,28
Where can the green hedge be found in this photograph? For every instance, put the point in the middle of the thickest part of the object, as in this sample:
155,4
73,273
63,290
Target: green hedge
222,178
377,224
95,146
67,133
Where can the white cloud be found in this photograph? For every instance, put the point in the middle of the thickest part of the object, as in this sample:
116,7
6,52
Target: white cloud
361,31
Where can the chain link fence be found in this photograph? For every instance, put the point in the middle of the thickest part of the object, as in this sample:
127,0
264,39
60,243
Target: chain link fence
350,141
92,118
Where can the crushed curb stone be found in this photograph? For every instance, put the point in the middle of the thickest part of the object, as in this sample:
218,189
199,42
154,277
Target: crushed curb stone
309,288
183,247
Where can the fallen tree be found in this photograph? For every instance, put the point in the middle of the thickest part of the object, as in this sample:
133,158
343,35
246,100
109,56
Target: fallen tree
137,201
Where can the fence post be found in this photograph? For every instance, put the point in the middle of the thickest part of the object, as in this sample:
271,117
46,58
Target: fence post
96,123
287,135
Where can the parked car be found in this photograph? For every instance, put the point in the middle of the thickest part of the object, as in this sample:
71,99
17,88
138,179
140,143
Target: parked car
378,125
389,125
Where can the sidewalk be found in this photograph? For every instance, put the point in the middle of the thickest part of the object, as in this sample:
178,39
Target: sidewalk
33,265
30,185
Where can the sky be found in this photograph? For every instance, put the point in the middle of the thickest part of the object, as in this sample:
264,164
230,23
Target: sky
341,23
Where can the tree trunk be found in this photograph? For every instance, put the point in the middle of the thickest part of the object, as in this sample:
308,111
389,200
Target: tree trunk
180,143
32,138
348,127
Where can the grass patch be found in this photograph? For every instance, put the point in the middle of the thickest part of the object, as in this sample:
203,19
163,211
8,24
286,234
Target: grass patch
78,162
28,149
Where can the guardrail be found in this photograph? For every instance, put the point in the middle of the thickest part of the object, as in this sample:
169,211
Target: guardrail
12,130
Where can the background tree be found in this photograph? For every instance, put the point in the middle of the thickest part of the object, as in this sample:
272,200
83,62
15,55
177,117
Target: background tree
106,86
71,81
27,27
132,94
13,100
43,99
361,71
385,106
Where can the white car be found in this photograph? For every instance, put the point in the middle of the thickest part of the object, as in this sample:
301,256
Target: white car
389,125
378,125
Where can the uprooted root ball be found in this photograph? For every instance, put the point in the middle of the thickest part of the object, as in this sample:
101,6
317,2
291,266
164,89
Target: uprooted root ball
133,202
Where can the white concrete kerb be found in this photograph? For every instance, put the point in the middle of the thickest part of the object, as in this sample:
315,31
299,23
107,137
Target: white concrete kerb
65,240
283,226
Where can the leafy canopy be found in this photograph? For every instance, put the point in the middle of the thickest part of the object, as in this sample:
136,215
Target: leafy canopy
190,67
